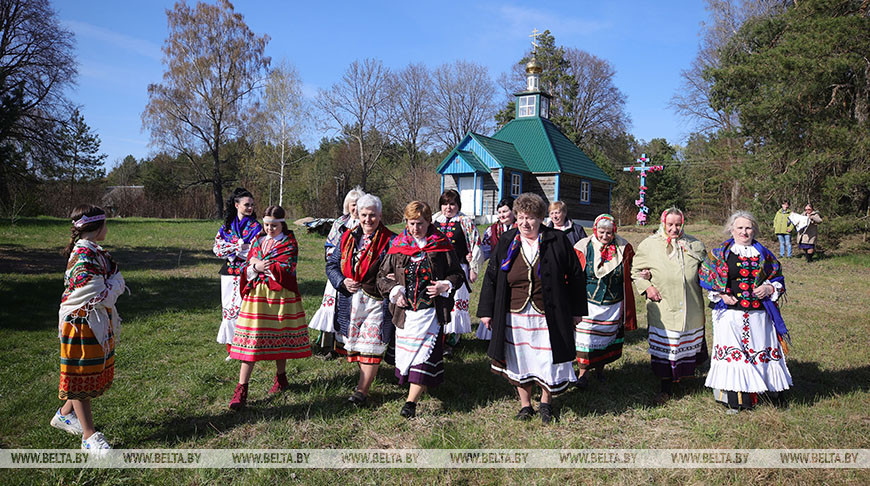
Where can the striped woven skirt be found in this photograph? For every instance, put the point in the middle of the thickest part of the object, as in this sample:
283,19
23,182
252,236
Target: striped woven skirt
420,349
86,368
271,326
675,354
365,342
598,338
529,354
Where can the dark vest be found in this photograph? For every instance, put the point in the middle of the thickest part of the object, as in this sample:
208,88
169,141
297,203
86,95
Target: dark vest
741,280
418,276
453,231
525,284
607,290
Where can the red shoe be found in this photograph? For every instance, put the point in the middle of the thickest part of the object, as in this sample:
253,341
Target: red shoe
281,383
240,397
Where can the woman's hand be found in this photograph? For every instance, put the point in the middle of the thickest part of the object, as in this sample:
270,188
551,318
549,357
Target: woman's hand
763,291
401,301
472,276
351,285
652,293
728,299
646,274
437,288
485,321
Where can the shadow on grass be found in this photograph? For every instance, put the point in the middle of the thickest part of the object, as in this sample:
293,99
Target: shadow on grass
263,407
28,261
812,384
32,305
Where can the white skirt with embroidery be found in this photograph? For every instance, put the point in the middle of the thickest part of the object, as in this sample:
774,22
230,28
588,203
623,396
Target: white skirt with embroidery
747,355
414,343
529,354
323,319
231,304
364,330
460,320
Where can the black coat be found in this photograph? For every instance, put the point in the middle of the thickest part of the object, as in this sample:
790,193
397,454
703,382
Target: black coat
563,288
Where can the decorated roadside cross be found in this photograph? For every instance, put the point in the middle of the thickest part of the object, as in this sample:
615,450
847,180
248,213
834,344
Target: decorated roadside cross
642,169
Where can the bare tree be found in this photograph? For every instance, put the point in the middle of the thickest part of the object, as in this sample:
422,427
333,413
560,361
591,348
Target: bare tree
357,107
410,121
214,65
591,101
693,101
281,121
36,67
462,101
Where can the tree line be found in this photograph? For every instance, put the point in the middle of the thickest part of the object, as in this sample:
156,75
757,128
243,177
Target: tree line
778,88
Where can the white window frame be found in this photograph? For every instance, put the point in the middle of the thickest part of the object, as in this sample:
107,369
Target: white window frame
516,184
545,107
585,192
526,106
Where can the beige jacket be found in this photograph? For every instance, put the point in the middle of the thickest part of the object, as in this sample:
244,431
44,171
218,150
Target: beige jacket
809,234
682,306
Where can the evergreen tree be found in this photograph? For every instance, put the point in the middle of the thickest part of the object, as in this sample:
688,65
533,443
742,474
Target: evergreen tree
80,158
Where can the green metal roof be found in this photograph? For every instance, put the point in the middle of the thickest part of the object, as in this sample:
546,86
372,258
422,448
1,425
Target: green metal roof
546,149
504,151
474,161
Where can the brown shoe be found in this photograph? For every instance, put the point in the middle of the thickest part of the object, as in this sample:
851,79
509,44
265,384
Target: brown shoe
240,397
281,383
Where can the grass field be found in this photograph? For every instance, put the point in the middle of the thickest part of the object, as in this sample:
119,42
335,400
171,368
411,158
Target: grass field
172,385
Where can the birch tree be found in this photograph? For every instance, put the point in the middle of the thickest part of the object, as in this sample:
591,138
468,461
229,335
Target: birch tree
214,65
357,107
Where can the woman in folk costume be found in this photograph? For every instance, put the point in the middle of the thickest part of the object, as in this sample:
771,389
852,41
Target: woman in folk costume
463,234
325,316
420,275
362,320
606,259
744,280
559,220
665,271
506,221
271,325
88,326
807,234
532,297
232,243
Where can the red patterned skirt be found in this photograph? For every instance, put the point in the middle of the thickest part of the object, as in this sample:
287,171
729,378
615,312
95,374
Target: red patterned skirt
271,326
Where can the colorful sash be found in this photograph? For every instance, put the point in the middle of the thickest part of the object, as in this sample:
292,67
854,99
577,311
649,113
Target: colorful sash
367,257
404,244
713,274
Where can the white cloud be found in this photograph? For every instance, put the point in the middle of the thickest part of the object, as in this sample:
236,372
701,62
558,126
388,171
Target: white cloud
139,46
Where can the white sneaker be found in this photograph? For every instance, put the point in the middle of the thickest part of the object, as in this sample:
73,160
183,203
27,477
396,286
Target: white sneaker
68,422
96,443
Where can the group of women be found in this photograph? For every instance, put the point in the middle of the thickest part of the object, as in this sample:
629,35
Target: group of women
550,295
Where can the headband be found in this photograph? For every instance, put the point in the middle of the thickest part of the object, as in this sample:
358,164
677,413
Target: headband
88,219
269,219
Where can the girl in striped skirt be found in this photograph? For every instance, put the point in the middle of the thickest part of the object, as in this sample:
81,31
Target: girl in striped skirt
271,325
88,326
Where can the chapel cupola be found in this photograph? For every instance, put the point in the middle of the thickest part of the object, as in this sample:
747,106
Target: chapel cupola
533,102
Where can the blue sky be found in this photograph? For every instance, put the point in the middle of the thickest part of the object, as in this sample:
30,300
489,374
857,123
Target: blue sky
118,48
